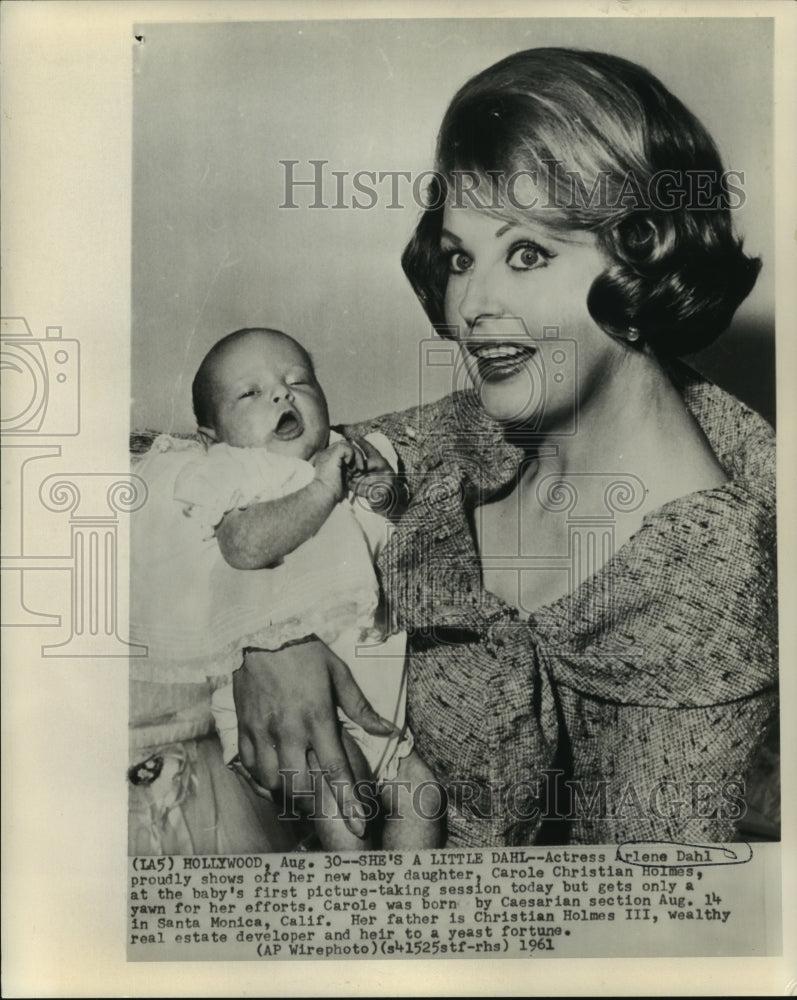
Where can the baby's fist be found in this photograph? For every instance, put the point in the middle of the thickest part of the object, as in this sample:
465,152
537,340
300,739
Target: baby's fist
331,464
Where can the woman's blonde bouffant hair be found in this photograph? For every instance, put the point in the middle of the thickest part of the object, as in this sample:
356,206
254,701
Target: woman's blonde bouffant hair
614,153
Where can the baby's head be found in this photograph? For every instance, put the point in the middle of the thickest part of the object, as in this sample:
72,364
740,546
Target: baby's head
257,388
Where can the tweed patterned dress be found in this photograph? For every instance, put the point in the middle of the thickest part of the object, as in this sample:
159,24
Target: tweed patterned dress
630,709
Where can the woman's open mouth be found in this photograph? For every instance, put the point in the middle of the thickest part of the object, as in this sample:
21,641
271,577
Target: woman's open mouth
289,426
497,361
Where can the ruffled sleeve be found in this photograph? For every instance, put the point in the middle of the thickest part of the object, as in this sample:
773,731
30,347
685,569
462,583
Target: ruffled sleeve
227,478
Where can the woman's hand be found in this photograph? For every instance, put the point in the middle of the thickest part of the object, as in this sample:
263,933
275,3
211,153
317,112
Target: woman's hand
285,701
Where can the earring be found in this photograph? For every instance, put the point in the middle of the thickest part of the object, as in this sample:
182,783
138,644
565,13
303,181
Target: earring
633,333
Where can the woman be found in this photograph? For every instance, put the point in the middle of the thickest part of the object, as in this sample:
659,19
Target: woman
586,570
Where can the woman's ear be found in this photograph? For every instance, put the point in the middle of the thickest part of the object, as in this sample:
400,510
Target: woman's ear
207,436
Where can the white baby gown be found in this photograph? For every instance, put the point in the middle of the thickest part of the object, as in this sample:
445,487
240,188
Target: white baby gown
193,611
196,614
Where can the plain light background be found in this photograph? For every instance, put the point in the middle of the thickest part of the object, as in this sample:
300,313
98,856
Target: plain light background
217,107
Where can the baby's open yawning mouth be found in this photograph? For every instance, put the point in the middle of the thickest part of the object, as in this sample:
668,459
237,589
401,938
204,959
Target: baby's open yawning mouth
289,426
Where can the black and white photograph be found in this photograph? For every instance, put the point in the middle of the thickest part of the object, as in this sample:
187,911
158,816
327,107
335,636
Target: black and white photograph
414,527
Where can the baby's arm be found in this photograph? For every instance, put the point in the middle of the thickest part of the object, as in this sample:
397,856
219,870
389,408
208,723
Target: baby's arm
263,533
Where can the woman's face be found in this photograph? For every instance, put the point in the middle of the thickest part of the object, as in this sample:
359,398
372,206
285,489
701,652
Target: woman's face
519,298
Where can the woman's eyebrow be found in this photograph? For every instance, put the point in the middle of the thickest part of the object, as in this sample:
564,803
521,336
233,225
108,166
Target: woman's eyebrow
447,234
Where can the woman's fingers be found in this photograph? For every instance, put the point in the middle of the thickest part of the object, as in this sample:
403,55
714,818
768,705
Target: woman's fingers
281,772
285,705
375,461
353,701
292,773
256,787
262,732
331,763
360,458
259,767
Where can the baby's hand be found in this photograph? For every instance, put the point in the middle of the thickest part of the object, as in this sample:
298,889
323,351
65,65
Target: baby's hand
333,466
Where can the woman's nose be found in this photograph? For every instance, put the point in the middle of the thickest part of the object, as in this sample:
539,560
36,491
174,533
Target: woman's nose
478,301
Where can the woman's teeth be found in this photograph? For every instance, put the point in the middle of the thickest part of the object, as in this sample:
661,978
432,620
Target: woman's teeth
501,351
496,361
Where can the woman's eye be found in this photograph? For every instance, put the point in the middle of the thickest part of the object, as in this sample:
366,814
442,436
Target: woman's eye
526,257
458,261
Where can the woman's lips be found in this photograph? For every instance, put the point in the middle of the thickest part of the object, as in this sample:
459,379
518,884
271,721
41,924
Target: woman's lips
289,426
497,361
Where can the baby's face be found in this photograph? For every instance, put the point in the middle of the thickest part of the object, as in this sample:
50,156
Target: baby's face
265,394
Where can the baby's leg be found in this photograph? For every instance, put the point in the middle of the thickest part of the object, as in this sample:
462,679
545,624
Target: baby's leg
414,808
327,819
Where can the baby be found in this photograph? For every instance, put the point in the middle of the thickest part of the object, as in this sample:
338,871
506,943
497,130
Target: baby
268,491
